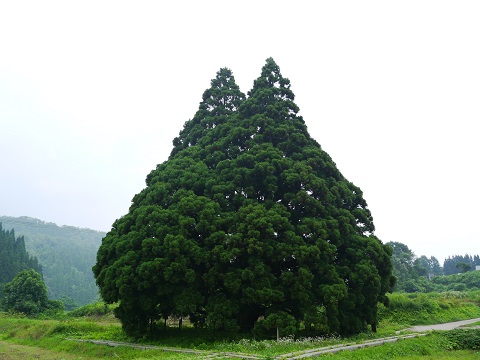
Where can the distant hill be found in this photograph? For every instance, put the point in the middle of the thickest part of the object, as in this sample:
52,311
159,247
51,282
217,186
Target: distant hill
66,254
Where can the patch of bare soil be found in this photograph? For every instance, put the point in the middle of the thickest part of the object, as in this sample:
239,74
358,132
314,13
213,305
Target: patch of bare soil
13,352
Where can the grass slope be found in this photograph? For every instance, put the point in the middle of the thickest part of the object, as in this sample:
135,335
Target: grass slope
95,322
49,339
431,308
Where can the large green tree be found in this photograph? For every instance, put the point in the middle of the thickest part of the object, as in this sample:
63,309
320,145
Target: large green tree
27,294
248,223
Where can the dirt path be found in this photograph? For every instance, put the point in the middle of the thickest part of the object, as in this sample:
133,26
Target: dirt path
418,331
290,356
446,326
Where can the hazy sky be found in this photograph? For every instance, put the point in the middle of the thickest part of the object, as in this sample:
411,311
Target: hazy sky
92,94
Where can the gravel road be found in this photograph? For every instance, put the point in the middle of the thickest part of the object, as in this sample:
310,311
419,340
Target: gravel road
446,326
419,331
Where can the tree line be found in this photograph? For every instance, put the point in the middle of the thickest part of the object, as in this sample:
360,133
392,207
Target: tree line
22,288
66,254
14,257
458,264
420,274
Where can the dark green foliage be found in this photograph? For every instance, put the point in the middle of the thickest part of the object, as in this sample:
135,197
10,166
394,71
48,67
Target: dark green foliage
466,281
27,294
458,282
450,264
220,101
431,308
412,273
66,254
463,267
271,325
425,274
96,309
428,266
463,339
69,303
248,219
14,257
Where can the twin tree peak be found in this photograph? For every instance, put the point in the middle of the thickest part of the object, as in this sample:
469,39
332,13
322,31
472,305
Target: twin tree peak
248,226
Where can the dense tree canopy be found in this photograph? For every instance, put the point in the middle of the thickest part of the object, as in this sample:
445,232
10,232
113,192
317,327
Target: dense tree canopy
412,272
14,257
248,225
458,282
453,264
66,254
27,294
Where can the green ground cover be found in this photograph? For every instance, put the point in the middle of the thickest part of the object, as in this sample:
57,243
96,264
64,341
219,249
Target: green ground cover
431,308
437,345
52,338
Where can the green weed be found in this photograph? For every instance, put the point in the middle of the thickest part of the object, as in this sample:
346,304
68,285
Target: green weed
423,309
57,336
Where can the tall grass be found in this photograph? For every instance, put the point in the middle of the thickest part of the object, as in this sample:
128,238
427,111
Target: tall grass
52,335
424,309
56,337
434,346
89,323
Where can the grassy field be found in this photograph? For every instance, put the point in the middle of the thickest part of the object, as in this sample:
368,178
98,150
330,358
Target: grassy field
24,338
432,308
432,346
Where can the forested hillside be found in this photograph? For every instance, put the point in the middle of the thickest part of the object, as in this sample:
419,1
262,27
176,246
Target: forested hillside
13,256
66,254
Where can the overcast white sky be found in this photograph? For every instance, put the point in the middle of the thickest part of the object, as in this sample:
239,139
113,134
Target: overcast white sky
92,94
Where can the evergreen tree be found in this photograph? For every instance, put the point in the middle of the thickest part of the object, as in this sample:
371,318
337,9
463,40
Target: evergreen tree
220,101
450,263
14,257
411,271
249,219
